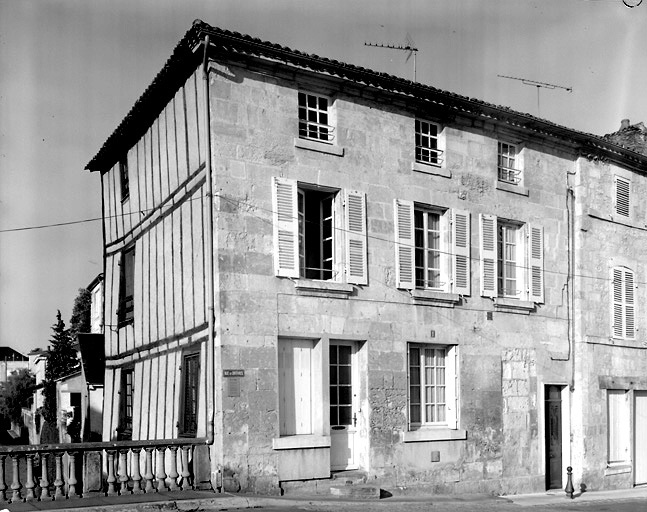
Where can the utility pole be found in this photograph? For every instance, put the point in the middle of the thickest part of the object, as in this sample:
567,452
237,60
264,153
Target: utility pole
538,85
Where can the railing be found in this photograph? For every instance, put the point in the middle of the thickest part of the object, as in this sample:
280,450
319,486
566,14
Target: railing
51,472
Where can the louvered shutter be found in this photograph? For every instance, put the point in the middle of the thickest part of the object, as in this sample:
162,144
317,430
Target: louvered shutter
404,245
451,387
630,326
461,252
488,255
356,243
617,303
622,187
536,263
286,227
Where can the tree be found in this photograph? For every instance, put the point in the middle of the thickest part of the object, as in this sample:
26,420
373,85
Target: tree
80,321
16,394
61,361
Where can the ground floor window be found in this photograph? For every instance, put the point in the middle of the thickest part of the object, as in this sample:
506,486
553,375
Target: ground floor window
126,394
296,372
618,426
190,388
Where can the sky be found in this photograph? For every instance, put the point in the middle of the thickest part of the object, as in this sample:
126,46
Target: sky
70,70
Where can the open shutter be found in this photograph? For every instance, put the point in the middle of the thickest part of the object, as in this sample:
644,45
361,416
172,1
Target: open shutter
488,255
461,251
622,204
286,227
630,325
356,244
536,263
451,388
617,303
404,245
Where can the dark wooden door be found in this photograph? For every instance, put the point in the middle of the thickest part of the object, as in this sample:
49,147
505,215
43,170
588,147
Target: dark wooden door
553,437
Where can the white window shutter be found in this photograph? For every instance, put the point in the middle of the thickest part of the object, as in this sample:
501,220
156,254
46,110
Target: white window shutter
622,197
356,238
404,245
286,227
461,251
536,263
630,306
617,302
488,255
451,388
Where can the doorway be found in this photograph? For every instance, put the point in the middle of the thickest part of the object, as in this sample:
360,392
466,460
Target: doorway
553,436
344,405
640,443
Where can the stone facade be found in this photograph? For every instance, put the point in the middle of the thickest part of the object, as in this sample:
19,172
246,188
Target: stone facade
517,370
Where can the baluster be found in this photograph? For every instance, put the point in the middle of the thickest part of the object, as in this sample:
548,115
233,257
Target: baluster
186,474
148,470
136,472
111,473
173,474
58,481
161,470
44,483
16,485
3,484
29,484
123,471
72,481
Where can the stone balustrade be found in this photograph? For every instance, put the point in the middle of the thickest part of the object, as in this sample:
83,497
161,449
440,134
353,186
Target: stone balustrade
66,471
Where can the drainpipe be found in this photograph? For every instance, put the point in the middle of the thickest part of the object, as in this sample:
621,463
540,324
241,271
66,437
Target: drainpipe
210,277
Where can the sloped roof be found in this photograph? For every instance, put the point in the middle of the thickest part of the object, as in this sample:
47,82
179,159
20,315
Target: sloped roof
184,60
630,136
9,354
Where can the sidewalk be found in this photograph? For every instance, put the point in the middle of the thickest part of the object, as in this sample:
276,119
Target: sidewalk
205,500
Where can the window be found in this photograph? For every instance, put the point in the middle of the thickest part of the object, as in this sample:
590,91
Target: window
618,425
319,232
123,177
126,393
190,388
428,143
508,164
432,248
623,303
622,196
314,118
295,386
125,312
432,386
512,259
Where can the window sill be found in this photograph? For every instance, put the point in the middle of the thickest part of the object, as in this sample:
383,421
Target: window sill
433,434
436,170
617,469
298,442
433,298
616,219
323,288
321,147
509,187
520,307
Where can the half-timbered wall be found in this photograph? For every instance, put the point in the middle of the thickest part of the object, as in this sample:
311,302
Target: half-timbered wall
163,218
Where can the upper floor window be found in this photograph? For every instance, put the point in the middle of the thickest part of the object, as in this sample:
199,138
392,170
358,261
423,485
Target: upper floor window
432,386
125,312
623,303
428,143
319,232
622,202
315,119
512,259
508,165
123,177
432,248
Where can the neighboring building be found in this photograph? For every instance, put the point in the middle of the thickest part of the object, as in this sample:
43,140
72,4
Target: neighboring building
406,282
11,361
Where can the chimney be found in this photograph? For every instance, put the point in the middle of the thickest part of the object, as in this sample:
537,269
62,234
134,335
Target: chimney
624,124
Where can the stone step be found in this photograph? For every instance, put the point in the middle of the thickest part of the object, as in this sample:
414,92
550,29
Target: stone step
356,491
351,477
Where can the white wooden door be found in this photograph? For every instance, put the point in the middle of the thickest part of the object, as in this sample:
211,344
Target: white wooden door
343,406
640,455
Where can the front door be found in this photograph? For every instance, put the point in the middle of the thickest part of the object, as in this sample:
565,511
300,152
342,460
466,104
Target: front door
640,455
553,409
343,406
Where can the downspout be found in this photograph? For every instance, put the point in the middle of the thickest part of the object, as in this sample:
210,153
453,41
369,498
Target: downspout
210,277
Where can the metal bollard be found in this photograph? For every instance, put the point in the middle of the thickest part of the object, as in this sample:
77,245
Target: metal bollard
569,482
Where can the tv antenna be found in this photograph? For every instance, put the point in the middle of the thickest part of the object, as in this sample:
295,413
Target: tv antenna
538,85
407,47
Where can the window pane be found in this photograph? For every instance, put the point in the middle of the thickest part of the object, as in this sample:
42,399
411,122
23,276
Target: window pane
344,354
334,416
345,395
344,375
345,415
414,412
